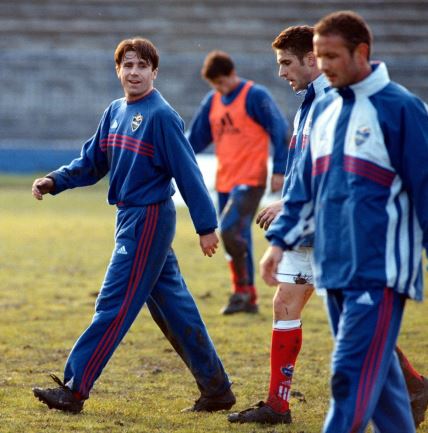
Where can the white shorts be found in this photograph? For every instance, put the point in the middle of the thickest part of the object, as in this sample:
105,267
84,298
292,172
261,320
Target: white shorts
296,267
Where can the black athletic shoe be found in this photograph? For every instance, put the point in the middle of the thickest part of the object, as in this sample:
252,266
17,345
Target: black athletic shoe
240,303
260,413
61,398
212,404
419,403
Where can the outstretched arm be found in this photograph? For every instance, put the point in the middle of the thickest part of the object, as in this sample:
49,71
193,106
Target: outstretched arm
176,157
295,221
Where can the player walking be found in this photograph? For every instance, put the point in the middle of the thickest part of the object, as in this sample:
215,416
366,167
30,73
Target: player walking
297,64
140,142
240,117
363,186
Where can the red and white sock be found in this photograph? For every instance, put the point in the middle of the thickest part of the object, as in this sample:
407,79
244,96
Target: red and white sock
253,294
239,285
285,347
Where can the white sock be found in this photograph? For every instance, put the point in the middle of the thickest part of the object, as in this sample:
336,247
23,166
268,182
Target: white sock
287,324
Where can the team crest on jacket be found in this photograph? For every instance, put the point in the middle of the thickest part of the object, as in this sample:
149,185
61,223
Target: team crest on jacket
362,134
136,121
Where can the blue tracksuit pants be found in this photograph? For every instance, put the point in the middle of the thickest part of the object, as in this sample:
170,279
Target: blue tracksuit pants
237,209
144,269
367,382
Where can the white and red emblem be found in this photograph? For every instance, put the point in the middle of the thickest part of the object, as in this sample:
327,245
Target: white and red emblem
136,121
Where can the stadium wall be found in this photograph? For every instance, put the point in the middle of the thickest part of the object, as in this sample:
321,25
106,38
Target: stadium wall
57,73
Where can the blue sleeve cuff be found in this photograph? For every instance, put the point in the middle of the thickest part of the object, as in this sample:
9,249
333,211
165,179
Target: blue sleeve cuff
206,231
279,167
277,242
57,183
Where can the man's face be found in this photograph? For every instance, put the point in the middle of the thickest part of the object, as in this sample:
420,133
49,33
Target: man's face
341,67
136,76
223,84
297,73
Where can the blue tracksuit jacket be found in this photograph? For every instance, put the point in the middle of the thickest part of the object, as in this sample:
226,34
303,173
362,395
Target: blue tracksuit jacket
301,129
363,188
143,147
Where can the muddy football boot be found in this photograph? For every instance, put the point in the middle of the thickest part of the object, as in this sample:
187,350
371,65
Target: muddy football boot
212,404
260,413
240,303
419,402
60,398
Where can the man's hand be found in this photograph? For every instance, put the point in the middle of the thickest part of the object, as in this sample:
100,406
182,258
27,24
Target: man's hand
269,265
42,186
276,182
208,243
268,214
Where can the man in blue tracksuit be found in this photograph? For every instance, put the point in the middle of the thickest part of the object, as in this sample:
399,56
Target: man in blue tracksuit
140,141
363,189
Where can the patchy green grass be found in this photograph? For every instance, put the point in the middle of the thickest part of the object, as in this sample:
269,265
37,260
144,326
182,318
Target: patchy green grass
53,255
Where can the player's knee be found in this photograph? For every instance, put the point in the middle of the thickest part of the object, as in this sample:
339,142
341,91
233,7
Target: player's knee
282,306
278,305
340,385
233,243
227,232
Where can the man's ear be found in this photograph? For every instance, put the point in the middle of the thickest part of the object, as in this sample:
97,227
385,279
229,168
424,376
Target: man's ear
117,70
363,50
155,73
311,59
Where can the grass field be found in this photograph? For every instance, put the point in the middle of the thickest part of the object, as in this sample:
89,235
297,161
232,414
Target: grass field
53,255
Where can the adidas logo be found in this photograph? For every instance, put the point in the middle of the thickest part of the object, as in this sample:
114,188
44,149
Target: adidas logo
122,250
365,299
114,125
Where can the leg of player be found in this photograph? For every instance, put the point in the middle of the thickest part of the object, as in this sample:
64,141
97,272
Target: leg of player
143,239
234,245
288,303
366,378
389,403
417,387
235,229
175,312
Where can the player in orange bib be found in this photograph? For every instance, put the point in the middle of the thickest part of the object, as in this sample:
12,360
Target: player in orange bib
241,119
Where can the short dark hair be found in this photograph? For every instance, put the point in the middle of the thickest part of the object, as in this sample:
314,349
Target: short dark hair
347,24
216,64
296,39
143,47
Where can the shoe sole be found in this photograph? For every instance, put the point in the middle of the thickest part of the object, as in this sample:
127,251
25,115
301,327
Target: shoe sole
242,420
219,407
211,409
260,415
